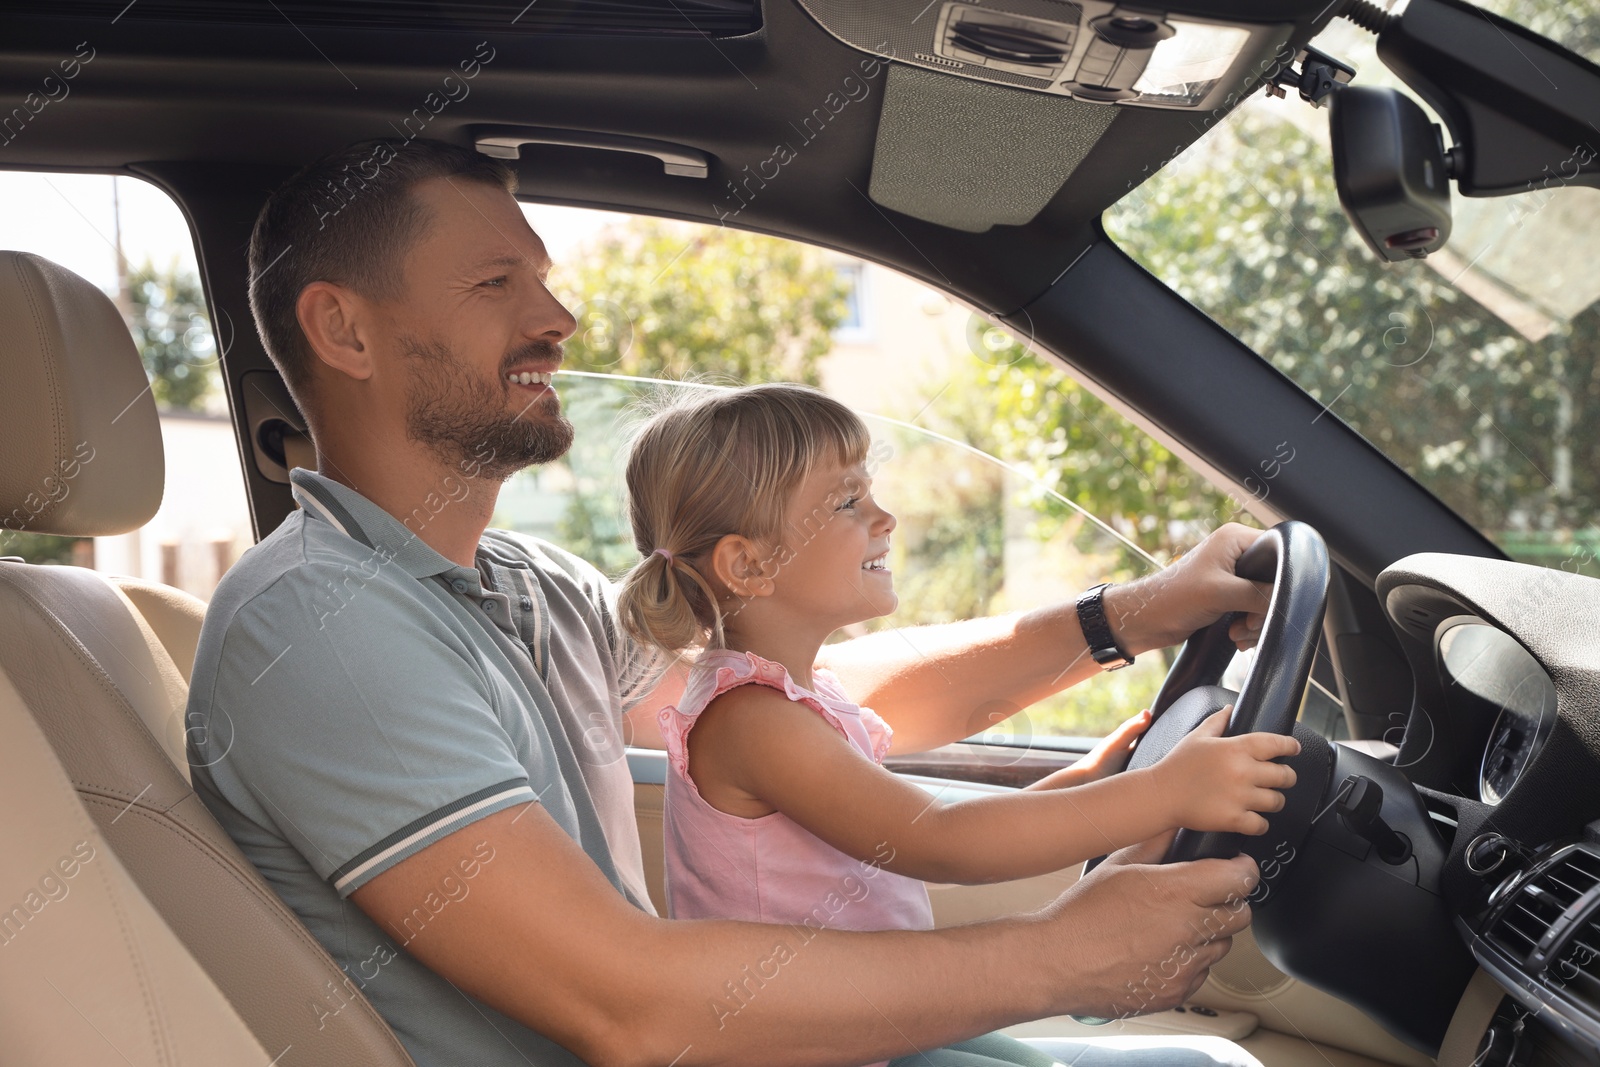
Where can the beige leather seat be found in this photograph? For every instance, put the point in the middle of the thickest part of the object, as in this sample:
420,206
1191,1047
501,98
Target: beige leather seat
89,973
174,615
104,669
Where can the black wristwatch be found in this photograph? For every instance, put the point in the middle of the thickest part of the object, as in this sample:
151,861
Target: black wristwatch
1097,631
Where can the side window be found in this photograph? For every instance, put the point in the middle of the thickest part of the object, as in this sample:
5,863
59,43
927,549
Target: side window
1013,486
130,239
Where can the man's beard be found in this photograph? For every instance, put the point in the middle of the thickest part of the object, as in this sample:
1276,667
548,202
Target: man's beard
462,419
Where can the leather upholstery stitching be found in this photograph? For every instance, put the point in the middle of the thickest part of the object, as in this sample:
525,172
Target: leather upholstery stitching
99,793
279,912
57,422
113,894
161,1040
97,672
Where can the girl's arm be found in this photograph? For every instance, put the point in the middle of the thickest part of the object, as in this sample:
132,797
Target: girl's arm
754,751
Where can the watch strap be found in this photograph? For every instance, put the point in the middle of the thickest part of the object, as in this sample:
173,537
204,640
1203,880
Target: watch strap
1097,630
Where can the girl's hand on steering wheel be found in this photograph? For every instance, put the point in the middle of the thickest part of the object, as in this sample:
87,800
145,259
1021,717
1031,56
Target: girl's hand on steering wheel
1103,760
1111,754
1222,784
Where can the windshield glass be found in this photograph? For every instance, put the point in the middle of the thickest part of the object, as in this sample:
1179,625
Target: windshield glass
1477,370
1570,23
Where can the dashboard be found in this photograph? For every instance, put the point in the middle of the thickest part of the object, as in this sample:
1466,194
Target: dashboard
1503,746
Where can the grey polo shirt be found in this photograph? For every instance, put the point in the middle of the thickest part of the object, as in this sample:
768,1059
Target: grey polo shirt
356,697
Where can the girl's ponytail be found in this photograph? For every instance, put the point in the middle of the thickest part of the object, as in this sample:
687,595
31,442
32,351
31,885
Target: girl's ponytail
664,601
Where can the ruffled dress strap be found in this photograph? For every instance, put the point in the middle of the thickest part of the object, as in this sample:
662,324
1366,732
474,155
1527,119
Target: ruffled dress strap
720,670
878,732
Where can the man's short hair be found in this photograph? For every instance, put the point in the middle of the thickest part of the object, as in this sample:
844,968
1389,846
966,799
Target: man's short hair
349,218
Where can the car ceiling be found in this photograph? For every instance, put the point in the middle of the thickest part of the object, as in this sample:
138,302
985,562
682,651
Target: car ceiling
269,93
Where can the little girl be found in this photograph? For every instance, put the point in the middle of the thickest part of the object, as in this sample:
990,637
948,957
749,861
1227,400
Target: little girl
753,511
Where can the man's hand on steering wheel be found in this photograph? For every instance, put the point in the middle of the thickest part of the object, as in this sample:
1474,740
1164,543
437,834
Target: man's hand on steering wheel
1195,590
1140,937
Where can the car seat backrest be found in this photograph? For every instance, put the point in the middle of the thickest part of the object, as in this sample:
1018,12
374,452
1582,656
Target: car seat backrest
106,691
173,615
85,961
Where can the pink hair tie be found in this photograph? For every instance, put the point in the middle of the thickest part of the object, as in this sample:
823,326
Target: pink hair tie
664,552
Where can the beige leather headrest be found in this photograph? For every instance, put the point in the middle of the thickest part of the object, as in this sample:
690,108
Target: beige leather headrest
80,443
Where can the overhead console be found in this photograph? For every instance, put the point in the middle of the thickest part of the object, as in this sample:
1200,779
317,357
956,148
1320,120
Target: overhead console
1141,55
989,107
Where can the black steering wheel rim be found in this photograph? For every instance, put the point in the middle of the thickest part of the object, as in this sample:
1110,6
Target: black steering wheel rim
1294,558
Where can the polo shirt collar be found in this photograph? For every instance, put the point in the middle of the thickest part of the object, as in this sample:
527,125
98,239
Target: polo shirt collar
361,520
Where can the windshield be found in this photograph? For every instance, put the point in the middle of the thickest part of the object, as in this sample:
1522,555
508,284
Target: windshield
1477,370
1570,23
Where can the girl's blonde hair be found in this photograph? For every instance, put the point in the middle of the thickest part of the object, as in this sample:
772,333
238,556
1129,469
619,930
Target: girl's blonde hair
710,465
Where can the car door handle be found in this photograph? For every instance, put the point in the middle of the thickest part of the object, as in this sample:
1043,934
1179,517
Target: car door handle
506,143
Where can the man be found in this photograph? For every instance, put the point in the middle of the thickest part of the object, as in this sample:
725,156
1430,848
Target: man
416,723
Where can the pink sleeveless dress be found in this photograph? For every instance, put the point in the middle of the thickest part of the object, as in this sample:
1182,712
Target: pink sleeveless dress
770,870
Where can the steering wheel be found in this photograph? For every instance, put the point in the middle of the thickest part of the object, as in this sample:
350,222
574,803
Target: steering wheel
1294,558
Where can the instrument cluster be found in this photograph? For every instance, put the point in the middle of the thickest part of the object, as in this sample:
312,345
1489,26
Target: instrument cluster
1487,669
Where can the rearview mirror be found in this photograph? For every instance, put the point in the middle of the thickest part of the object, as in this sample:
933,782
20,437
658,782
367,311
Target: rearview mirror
1390,168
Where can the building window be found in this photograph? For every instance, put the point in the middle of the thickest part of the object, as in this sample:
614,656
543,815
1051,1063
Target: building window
856,326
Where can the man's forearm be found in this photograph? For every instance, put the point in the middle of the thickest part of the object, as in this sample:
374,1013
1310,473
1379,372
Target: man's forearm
617,986
938,684
545,939
741,991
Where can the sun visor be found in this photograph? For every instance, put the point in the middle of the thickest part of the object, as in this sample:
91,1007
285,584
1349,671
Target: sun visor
969,155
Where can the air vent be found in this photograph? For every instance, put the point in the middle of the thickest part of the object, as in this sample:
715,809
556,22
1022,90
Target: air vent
1542,941
1576,972
1523,928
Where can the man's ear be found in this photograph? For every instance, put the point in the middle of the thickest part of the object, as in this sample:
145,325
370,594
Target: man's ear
330,316
743,567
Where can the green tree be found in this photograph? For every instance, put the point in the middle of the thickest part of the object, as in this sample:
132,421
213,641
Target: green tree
1077,449
173,334
661,300
1250,231
36,547
1074,452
